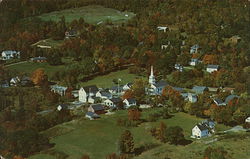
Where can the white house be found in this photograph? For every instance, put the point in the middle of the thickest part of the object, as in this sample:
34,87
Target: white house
61,90
212,68
203,129
15,81
6,55
113,102
194,49
156,88
127,86
104,94
200,131
162,28
194,62
247,120
190,97
87,94
129,102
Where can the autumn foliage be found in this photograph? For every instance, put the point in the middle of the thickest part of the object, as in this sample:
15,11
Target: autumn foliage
39,77
134,114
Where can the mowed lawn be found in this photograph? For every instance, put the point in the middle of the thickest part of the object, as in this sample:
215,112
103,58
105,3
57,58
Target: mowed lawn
29,67
93,14
100,137
106,81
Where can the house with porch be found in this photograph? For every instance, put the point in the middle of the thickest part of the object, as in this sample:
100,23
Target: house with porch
113,102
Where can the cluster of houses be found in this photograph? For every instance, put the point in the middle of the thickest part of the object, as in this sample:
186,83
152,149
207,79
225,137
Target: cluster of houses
16,81
9,54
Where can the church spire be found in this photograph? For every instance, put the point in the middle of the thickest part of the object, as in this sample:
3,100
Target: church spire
151,79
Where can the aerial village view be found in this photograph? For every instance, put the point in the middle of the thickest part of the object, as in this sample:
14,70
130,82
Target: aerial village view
124,79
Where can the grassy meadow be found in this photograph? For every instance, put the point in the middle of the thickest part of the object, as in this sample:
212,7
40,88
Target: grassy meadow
100,137
29,67
106,81
91,14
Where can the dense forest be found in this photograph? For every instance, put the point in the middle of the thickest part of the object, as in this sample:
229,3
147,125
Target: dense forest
212,24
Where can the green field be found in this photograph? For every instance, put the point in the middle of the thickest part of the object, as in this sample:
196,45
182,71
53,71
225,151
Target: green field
91,14
29,67
105,81
48,43
100,137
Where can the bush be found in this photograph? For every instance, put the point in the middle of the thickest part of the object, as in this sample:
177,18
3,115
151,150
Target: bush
128,123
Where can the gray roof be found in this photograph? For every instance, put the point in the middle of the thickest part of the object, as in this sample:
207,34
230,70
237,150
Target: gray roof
105,93
161,84
97,107
178,89
131,100
199,89
9,52
213,66
194,60
91,89
196,46
93,115
202,127
116,100
218,101
230,97
115,88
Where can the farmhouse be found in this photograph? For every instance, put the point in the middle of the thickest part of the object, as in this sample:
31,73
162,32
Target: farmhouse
129,102
156,88
87,94
96,108
194,49
61,90
113,102
203,129
212,68
38,59
92,115
7,55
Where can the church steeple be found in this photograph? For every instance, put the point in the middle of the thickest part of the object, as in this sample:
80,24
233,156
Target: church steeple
151,79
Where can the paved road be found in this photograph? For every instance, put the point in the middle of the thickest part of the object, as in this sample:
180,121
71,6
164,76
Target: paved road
15,63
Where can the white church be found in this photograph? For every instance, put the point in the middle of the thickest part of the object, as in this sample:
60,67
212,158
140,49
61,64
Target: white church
156,88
